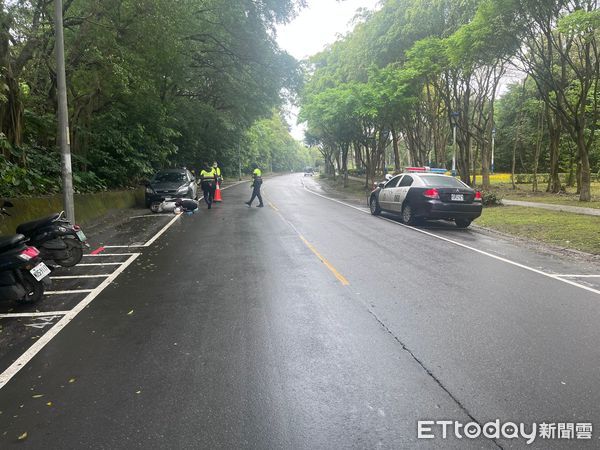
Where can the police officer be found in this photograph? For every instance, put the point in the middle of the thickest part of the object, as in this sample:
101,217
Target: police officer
208,182
256,184
218,170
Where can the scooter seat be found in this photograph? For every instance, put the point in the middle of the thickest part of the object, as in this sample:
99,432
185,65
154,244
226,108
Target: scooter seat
29,227
8,242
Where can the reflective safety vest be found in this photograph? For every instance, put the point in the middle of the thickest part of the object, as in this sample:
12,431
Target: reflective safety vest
208,176
257,172
218,169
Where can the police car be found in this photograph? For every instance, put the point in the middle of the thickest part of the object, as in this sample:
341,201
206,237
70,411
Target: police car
423,193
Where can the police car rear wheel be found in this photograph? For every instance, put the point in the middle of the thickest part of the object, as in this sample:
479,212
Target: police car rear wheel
374,206
462,223
407,215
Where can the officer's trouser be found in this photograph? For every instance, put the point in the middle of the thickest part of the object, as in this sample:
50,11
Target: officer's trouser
209,192
256,193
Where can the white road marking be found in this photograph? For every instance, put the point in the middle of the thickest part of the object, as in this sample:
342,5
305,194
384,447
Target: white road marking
73,291
100,264
234,184
107,254
135,245
151,215
14,368
459,244
162,231
33,314
76,277
578,276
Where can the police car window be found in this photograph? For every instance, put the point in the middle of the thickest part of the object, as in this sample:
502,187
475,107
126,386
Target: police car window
441,181
392,182
406,181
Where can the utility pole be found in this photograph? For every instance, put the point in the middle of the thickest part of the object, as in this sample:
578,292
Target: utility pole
63,114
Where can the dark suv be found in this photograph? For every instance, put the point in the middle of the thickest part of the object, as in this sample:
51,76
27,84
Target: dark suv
171,183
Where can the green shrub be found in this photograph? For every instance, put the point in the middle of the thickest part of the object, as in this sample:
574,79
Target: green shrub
491,198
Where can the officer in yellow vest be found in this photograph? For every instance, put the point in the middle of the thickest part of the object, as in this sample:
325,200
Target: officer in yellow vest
256,184
208,183
218,169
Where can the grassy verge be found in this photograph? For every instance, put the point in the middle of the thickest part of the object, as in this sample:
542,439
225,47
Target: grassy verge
353,189
524,192
562,229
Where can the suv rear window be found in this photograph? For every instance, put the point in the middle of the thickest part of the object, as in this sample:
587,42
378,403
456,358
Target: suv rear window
442,181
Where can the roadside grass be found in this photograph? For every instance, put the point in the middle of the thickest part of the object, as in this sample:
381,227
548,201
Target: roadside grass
524,192
567,230
354,188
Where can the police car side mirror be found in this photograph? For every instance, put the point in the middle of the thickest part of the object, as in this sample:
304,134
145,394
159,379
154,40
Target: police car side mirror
381,185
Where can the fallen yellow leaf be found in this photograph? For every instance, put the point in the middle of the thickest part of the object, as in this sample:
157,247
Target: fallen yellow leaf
72,380
130,312
23,436
49,404
37,396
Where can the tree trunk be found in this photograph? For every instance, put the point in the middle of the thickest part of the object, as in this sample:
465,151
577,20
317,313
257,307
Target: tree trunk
397,163
11,107
554,132
584,178
537,151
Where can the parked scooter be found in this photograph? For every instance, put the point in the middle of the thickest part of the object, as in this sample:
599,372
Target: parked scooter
56,238
23,274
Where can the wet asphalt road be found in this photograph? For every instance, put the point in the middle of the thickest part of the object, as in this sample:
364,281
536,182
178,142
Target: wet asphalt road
240,336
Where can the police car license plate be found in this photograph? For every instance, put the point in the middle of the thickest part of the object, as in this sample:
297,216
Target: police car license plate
40,271
81,236
457,197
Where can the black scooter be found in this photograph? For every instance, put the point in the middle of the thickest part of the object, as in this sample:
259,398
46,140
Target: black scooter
56,238
23,274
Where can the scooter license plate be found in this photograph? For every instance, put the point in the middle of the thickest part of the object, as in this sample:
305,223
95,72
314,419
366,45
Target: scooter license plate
81,236
40,271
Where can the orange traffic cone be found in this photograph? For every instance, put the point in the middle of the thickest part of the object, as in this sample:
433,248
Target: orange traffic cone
218,194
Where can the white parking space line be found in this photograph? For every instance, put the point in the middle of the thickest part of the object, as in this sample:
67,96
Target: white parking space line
108,254
459,244
16,366
33,314
74,291
100,264
135,245
76,277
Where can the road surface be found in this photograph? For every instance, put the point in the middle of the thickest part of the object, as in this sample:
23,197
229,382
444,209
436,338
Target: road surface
311,324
